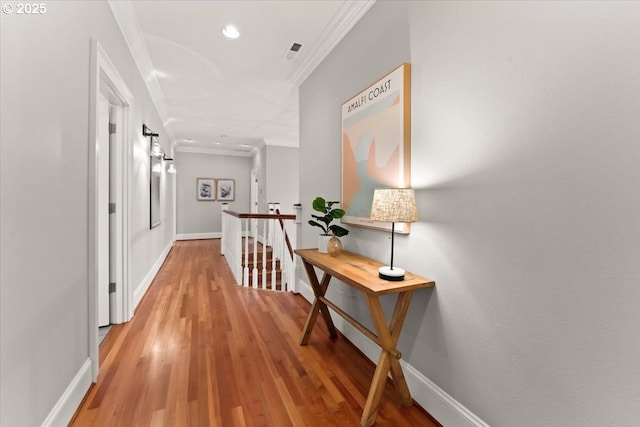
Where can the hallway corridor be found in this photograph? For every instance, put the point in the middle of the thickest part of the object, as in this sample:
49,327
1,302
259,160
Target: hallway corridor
202,351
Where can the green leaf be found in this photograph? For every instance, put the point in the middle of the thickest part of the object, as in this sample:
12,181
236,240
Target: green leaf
315,224
338,231
319,205
326,218
337,213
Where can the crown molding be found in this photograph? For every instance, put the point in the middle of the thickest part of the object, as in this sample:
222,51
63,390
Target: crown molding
127,20
345,19
217,151
348,15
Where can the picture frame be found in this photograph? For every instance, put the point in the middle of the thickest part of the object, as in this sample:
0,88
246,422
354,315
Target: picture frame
226,189
206,189
376,145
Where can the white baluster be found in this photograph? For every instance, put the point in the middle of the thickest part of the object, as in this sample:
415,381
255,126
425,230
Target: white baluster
245,278
271,235
274,256
263,272
254,276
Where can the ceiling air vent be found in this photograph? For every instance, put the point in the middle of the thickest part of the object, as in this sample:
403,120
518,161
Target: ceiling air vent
291,53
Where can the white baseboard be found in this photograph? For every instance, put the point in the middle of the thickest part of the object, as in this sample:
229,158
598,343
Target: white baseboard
434,400
198,236
68,403
146,282
444,408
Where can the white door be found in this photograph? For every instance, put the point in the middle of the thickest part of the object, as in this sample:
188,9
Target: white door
254,201
103,212
115,223
254,191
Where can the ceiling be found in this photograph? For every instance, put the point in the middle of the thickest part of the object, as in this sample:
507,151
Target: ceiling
231,96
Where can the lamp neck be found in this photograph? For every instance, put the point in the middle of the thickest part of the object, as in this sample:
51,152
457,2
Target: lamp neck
392,234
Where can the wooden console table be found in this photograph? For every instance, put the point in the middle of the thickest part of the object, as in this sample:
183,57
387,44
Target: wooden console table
362,274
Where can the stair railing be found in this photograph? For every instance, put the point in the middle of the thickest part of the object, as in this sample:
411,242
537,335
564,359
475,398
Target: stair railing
258,250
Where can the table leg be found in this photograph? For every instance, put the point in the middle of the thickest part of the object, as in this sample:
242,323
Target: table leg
319,289
397,321
388,336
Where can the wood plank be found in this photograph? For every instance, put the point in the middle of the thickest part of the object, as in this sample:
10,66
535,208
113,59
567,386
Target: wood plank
203,351
361,272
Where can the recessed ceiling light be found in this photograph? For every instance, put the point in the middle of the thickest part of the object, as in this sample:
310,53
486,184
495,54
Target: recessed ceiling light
231,31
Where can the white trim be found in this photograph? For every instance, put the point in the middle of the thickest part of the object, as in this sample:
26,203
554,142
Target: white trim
215,150
148,279
434,400
198,236
66,406
444,408
105,75
125,16
345,19
174,226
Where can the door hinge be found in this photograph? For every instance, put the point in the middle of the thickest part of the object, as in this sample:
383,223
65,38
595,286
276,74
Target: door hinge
112,287
112,128
112,208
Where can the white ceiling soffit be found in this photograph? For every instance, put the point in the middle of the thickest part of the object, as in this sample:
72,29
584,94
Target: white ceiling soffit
256,109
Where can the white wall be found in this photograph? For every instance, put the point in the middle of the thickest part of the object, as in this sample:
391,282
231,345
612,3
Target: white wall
525,160
44,85
202,218
282,177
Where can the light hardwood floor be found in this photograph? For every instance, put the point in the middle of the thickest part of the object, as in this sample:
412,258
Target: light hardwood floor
202,351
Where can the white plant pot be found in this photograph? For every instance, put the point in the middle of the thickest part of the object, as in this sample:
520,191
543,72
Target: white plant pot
323,241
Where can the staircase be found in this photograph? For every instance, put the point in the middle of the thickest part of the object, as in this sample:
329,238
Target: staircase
258,250
262,265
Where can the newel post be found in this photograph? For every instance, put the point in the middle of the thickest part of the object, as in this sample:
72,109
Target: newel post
223,228
297,208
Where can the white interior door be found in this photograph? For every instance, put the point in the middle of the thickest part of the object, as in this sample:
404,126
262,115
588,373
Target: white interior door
103,212
254,201
115,214
254,191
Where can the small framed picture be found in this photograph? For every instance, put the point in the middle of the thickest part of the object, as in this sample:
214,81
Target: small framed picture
206,189
226,189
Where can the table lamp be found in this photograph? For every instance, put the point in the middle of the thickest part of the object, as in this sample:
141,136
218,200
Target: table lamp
393,205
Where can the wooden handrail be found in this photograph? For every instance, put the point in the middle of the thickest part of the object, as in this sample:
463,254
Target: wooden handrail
286,236
262,216
280,217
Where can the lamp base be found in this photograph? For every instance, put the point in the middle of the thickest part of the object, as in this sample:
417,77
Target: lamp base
394,274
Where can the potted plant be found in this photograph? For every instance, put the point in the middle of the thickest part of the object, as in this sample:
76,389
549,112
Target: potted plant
329,213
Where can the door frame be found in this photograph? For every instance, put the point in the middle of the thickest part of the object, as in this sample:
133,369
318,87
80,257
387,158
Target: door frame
103,185
105,78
